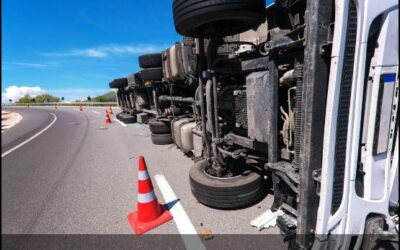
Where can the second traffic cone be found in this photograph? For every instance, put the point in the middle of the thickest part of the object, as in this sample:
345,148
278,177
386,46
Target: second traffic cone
110,110
108,120
150,214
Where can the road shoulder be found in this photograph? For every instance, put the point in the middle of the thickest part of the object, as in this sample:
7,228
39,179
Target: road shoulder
9,119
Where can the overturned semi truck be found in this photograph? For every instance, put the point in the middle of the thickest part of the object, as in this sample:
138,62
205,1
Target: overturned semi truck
299,97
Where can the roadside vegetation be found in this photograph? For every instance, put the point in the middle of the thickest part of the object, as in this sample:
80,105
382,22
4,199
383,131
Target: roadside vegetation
47,98
44,98
107,97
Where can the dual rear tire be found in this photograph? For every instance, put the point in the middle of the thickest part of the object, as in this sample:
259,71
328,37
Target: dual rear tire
161,139
152,74
160,132
119,83
150,60
151,65
126,118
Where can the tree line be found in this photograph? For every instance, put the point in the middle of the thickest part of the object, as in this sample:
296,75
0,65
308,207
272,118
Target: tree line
38,99
44,98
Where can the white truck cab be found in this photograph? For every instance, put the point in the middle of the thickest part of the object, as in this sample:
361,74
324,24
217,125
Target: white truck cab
361,197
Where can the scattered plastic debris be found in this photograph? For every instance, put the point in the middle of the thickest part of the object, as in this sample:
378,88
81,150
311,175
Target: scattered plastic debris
207,234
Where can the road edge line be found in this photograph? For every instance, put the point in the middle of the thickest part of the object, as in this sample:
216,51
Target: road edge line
31,138
185,227
122,124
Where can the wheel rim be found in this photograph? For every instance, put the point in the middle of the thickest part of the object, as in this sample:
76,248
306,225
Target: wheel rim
244,173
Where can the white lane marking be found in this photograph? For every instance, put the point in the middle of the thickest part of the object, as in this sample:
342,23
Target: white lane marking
96,112
182,221
122,124
30,139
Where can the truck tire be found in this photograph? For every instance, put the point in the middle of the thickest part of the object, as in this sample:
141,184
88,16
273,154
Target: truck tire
161,139
225,17
159,127
150,60
119,115
119,83
152,74
225,193
128,119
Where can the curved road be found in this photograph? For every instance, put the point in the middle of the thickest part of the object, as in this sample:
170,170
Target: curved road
32,173
61,159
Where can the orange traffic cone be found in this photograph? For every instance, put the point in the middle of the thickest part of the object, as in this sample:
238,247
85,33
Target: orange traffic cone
110,110
108,120
150,214
80,108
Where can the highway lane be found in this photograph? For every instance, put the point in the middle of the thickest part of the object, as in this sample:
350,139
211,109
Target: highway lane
32,173
80,177
77,177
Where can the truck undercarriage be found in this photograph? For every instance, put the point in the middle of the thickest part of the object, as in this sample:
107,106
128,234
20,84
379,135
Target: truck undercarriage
256,96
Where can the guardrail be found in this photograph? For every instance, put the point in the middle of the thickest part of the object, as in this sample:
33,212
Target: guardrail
59,104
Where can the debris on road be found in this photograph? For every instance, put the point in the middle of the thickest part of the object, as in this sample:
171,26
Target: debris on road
266,220
207,234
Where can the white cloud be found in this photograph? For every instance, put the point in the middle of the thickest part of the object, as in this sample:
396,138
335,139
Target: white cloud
16,92
31,65
78,53
122,49
104,51
89,53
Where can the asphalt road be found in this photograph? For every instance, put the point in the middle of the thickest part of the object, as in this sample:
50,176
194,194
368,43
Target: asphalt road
80,177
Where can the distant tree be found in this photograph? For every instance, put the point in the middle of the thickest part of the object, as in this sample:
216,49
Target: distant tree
25,99
100,99
108,97
46,98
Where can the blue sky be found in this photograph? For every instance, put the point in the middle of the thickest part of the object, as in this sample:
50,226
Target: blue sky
74,48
